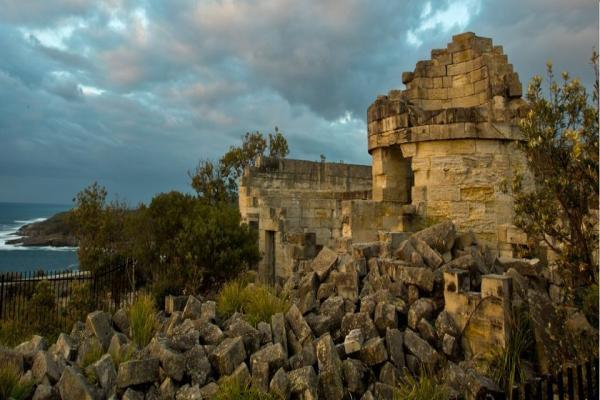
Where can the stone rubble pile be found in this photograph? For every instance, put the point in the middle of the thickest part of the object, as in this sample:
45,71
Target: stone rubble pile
358,322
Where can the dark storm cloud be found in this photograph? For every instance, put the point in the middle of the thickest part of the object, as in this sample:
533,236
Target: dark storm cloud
133,93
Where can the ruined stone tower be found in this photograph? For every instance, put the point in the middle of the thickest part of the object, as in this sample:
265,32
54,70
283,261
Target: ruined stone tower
444,148
447,143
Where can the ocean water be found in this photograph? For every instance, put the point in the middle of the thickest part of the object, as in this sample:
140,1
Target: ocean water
19,258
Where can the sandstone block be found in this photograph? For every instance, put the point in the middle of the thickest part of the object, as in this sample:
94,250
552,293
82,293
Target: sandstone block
330,372
193,308
385,317
324,262
360,321
44,366
280,384
421,349
394,341
373,352
279,332
73,386
298,324
228,355
353,341
137,372
99,323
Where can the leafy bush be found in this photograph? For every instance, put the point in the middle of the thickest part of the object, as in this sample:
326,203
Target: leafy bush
142,320
11,386
561,149
257,302
425,387
81,302
234,391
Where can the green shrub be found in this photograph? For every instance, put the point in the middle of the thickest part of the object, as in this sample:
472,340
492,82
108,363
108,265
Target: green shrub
425,387
142,320
81,302
234,391
41,308
257,302
11,386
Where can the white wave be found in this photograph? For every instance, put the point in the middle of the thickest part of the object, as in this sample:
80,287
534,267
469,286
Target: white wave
9,232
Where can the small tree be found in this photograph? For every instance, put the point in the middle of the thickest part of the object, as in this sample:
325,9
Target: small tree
219,182
561,149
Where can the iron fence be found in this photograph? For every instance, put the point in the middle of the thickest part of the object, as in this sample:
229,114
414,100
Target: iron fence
65,295
575,382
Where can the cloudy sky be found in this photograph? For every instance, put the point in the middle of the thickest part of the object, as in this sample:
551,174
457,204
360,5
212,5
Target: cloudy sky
132,93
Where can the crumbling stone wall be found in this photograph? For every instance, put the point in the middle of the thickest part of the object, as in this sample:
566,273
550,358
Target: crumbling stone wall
447,143
297,206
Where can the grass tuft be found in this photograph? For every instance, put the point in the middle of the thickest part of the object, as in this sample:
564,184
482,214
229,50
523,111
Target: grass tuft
11,386
257,302
425,387
142,320
505,365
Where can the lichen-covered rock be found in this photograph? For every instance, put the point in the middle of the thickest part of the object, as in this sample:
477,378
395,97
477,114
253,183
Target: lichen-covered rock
131,394
280,385
209,333
250,336
426,354
31,347
298,324
137,372
373,352
444,324
197,365
105,372
385,317
193,308
330,369
193,392
100,324
353,341
44,392
360,321
279,331
44,366
171,361
228,355
65,347
303,380
324,262
121,320
73,386
422,308
356,376
168,389
394,341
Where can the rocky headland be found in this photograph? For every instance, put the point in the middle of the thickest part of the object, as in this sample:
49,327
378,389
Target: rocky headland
54,231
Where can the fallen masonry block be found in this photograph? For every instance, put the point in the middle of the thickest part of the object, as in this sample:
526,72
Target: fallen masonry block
353,341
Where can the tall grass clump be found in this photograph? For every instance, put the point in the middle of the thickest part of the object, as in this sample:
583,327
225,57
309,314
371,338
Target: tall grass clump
257,302
425,387
506,365
262,304
11,386
142,320
231,298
